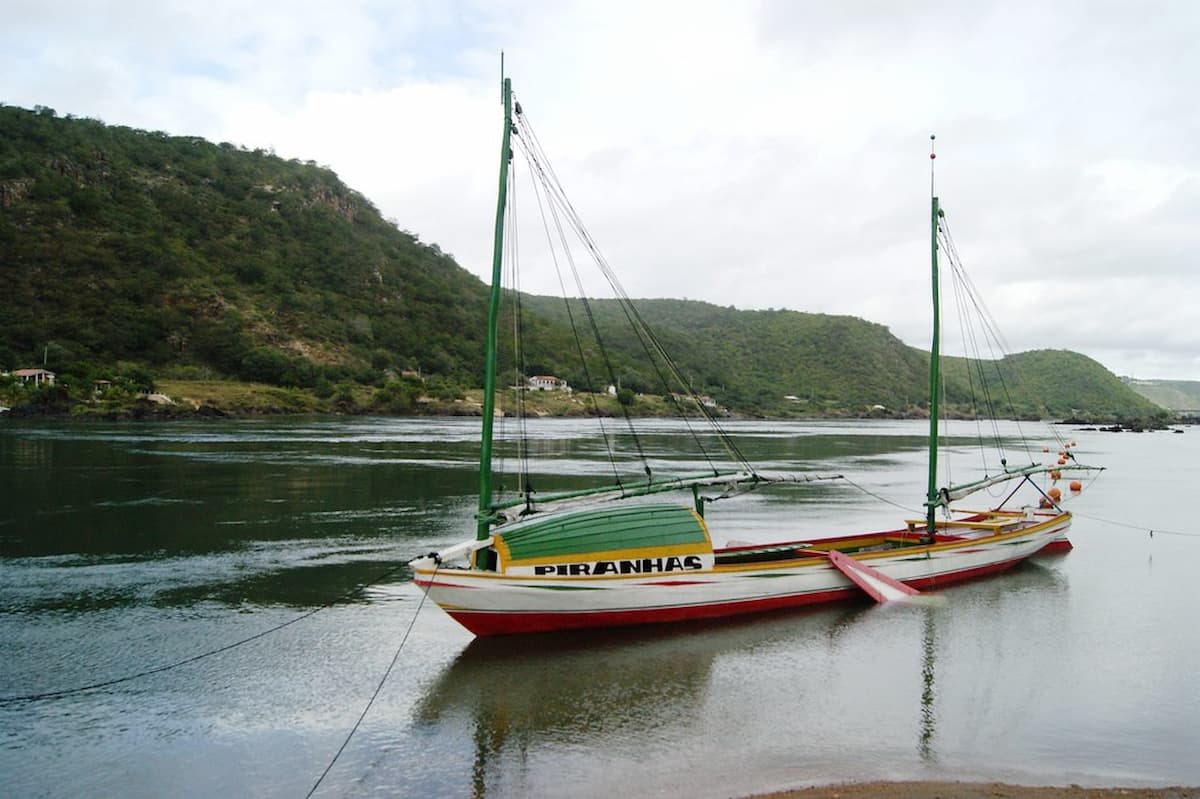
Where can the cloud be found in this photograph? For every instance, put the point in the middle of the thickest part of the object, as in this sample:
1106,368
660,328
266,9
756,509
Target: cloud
761,155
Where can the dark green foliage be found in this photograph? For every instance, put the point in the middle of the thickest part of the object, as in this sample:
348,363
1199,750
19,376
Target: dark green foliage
395,397
832,365
118,244
1066,383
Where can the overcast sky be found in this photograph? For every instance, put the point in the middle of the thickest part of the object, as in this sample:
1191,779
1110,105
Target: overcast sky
756,154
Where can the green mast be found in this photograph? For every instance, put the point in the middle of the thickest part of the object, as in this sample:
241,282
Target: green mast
489,382
935,355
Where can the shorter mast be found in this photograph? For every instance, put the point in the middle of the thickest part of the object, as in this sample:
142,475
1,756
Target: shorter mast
935,355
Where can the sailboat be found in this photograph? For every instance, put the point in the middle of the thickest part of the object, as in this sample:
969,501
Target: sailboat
613,556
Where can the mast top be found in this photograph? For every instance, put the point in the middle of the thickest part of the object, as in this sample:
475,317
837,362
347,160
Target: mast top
932,158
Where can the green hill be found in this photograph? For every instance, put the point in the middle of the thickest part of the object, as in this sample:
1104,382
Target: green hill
752,360
1176,395
138,256
123,245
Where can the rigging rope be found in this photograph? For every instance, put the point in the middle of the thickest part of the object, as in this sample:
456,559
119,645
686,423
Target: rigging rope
556,198
379,687
881,498
513,243
968,297
169,666
1142,527
608,443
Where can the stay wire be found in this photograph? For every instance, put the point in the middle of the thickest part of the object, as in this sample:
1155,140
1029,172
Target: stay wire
964,297
998,347
387,672
633,314
169,666
519,363
640,328
555,193
608,442
556,200
963,328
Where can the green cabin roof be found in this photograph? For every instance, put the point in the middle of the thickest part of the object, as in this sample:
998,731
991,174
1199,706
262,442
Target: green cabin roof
604,533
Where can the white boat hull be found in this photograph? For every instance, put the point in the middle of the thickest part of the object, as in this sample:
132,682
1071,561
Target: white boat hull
494,603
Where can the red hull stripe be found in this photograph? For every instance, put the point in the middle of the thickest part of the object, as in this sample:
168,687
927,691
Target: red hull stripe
484,623
1058,545
427,584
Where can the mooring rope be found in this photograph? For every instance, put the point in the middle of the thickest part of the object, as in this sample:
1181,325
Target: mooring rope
169,666
1151,530
379,687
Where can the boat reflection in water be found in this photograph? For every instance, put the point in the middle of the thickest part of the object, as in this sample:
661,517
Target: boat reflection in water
928,724
591,708
603,691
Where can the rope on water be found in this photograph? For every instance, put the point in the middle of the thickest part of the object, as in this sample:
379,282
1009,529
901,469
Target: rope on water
169,666
378,688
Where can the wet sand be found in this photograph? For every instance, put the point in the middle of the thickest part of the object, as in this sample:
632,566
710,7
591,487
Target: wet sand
976,790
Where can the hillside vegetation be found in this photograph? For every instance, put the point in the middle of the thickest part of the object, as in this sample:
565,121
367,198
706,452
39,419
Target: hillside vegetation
121,245
1177,395
142,258
839,364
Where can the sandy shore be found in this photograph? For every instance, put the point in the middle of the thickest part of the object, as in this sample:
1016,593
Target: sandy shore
975,790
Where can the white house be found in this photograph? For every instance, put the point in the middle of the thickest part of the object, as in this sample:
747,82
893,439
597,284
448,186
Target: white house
36,376
548,383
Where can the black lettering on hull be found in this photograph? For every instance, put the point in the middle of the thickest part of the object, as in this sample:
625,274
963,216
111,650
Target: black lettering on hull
633,566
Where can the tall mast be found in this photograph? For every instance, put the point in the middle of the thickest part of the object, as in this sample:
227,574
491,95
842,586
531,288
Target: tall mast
935,355
489,381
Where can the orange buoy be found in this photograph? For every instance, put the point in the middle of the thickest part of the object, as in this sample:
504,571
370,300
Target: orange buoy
1043,503
1061,461
1055,474
1076,485
1045,449
1054,494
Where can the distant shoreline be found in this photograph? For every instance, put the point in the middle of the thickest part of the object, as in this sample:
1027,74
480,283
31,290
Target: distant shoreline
143,411
178,400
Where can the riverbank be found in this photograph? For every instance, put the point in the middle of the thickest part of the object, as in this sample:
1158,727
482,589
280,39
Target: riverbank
975,790
216,399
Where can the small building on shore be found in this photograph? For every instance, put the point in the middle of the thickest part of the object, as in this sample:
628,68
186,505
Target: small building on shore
548,383
38,377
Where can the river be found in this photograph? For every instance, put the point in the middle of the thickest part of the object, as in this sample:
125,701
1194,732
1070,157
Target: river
128,547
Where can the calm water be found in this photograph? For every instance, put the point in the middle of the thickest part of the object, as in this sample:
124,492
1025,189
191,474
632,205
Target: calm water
126,547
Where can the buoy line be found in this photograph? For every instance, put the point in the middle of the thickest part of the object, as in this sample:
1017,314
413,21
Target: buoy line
169,666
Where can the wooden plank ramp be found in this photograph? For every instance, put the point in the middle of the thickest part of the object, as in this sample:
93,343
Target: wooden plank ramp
878,585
